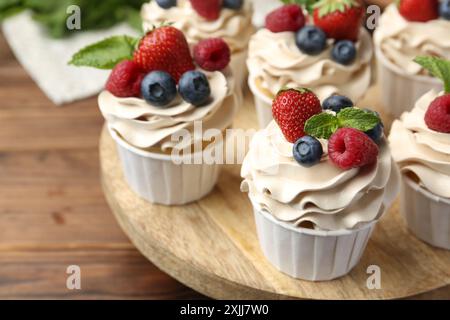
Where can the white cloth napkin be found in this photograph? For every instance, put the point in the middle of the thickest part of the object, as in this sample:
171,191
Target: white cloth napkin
46,59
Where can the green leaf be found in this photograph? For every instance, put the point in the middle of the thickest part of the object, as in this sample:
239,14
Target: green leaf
438,67
106,53
329,6
307,4
322,125
357,118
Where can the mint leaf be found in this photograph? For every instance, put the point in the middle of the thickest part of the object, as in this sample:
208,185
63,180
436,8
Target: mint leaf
357,118
322,125
438,67
307,4
106,53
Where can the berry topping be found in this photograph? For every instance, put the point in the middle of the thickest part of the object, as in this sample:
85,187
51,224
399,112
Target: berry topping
166,49
307,151
233,4
311,40
419,10
158,88
377,132
336,103
291,109
166,4
444,9
350,148
208,9
286,18
125,80
344,52
194,87
437,117
212,54
339,19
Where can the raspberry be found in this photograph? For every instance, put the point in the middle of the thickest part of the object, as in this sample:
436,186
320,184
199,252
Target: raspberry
212,54
125,80
287,18
437,116
208,9
350,148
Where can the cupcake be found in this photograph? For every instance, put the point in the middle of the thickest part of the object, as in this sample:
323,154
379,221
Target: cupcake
420,143
330,56
411,29
157,105
318,182
230,20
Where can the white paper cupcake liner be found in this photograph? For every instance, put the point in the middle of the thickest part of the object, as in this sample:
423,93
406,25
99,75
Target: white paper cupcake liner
263,105
427,215
156,178
399,90
310,254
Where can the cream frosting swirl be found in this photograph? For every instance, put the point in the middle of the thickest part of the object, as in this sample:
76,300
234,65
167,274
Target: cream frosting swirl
275,61
234,26
420,150
401,40
145,126
328,197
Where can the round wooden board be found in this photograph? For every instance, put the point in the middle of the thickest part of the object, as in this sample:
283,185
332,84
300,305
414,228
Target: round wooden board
211,245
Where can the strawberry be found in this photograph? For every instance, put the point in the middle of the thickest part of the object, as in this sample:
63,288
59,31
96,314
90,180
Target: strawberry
291,108
437,117
339,19
419,10
165,49
208,9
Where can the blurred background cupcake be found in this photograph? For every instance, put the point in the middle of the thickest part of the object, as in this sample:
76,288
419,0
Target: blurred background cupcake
409,28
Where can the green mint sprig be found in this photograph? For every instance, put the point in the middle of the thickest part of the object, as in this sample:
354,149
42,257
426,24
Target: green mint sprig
307,4
324,124
438,67
106,53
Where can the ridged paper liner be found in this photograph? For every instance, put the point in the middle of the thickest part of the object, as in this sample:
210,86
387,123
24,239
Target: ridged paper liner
400,91
427,215
156,178
310,254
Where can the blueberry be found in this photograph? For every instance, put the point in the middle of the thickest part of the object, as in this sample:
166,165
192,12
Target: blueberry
158,88
444,9
336,103
307,151
376,134
311,40
194,87
233,4
166,4
344,52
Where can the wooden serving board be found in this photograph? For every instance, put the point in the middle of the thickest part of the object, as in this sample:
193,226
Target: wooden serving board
211,245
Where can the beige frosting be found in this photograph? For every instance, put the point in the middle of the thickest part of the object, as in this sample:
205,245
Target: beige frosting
401,40
275,61
420,150
234,26
330,198
145,126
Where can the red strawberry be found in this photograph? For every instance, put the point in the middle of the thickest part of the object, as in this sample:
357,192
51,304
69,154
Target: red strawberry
419,10
165,49
291,108
339,19
125,80
208,9
286,18
437,116
350,148
212,54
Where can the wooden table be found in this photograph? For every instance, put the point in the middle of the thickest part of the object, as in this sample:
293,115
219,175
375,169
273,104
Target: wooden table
52,210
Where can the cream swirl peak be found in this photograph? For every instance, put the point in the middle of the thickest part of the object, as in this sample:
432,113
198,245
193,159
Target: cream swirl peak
234,26
145,126
325,195
275,61
420,151
401,40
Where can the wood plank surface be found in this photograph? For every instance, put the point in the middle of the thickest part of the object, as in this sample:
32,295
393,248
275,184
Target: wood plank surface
52,210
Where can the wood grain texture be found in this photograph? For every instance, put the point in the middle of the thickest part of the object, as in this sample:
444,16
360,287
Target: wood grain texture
52,209
211,245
